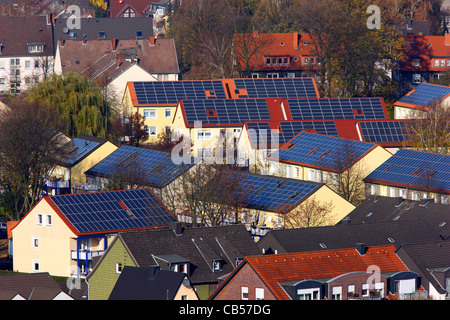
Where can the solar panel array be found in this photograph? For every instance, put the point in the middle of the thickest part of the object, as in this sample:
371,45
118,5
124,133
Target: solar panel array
384,131
415,169
277,88
149,167
424,94
104,211
272,193
226,111
169,92
81,148
261,134
337,108
323,151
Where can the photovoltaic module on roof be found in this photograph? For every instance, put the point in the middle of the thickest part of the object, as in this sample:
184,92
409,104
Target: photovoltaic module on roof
425,94
384,131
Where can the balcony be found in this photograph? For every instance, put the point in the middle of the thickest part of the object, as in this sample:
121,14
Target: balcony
86,254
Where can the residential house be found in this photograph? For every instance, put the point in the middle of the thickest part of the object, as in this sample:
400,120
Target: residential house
320,158
86,151
205,255
377,209
359,272
157,170
30,286
130,8
427,58
61,234
26,51
420,99
431,262
275,55
152,283
346,235
412,174
157,101
258,139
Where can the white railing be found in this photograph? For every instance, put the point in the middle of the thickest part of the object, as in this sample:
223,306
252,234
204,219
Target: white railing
86,254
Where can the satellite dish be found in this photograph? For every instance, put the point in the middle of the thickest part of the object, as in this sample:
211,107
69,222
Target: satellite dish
66,30
186,283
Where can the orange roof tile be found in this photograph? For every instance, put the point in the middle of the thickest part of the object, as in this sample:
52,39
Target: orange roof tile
273,269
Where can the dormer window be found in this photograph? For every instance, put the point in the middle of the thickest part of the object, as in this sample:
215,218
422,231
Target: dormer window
35,48
101,34
217,265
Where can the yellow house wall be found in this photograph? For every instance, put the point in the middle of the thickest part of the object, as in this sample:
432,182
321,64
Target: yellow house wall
186,291
55,243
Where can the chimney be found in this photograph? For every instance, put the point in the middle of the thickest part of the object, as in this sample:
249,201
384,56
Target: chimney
152,40
255,34
177,227
84,41
61,42
361,248
50,19
152,272
114,44
296,40
447,39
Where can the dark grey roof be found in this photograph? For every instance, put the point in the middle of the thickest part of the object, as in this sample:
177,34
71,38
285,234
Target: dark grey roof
138,284
198,245
377,209
118,28
430,260
347,236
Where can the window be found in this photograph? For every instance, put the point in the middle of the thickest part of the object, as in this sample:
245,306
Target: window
442,63
308,294
2,80
392,192
39,219
319,176
272,75
403,193
152,131
416,78
335,179
448,63
268,60
15,62
138,33
236,131
168,113
35,242
2,64
204,135
365,290
27,64
336,293
297,172
415,195
35,265
244,293
436,63
150,113
129,13
373,189
311,175
101,34
49,220
351,289
33,48
305,60
383,191
204,153
36,63
259,293
73,35
118,267
416,63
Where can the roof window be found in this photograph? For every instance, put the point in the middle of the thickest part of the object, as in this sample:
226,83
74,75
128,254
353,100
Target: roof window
314,150
417,172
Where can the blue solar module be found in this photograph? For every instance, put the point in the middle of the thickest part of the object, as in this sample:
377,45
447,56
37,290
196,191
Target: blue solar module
337,108
113,210
169,92
273,193
384,131
425,94
81,147
414,169
293,88
148,167
331,153
261,134
225,111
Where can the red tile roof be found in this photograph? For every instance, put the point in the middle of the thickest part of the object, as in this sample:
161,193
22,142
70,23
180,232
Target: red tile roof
273,269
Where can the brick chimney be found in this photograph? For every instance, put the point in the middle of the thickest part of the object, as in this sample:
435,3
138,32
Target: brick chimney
447,39
152,40
255,34
114,44
296,40
61,42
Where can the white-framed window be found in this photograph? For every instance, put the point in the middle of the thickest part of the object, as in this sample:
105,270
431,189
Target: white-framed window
417,78
436,63
255,75
444,199
311,175
383,191
442,63
152,131
335,179
244,293
259,293
48,221
2,64
319,176
150,113
351,289
448,63
204,135
415,195
416,62
2,80
291,75
39,219
273,75
296,172
392,192
379,287
288,171
373,189
403,193
308,294
35,242
336,293
204,152
119,267
168,113
34,48
237,131
35,265
27,64
365,290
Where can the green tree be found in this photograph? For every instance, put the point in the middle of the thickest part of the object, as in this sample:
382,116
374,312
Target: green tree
78,100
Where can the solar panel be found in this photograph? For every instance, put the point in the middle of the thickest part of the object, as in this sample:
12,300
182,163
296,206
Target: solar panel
149,167
322,151
260,133
415,169
113,210
424,94
225,111
337,108
81,148
384,131
169,92
277,88
274,193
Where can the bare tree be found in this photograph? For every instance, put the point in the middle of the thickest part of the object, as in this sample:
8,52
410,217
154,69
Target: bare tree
310,213
430,130
32,145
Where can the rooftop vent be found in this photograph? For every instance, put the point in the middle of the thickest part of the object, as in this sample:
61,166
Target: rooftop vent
361,248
